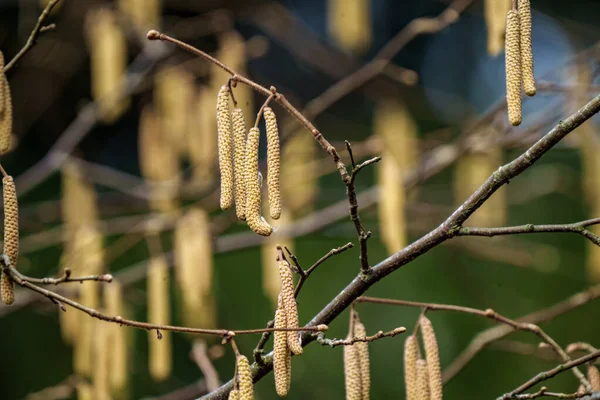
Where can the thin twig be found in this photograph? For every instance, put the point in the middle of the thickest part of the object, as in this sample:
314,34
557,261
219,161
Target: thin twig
200,357
66,278
347,342
543,392
37,29
265,104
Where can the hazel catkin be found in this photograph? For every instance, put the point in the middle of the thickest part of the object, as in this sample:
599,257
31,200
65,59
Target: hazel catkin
422,380
225,139
239,160
526,51
234,395
363,359
273,163
11,236
513,68
281,353
289,303
6,114
593,376
352,372
432,355
253,217
410,367
245,378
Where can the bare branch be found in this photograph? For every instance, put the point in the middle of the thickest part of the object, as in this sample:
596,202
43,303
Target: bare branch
306,274
348,342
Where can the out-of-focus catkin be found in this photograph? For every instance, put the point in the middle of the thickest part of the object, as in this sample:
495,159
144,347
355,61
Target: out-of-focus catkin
432,355
239,162
11,236
159,312
392,203
6,111
273,163
289,303
411,350
299,174
225,135
281,353
101,370
513,68
108,62
202,142
271,282
118,336
253,216
352,372
526,50
85,391
495,21
194,269
422,380
78,206
245,378
144,14
363,359
593,376
349,24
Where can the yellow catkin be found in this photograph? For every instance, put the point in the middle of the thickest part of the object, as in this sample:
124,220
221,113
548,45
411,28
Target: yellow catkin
432,355
281,353
495,21
11,236
349,24
392,203
526,51
194,269
83,354
144,14
85,391
273,163
108,63
159,351
363,359
225,135
202,142
594,377
299,174
239,162
352,372
411,350
118,336
100,375
173,96
513,68
6,110
234,395
245,378
271,282
289,303
422,380
253,217
78,204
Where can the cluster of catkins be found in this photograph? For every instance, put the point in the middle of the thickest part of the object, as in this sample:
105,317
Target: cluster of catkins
519,59
11,208
422,377
238,164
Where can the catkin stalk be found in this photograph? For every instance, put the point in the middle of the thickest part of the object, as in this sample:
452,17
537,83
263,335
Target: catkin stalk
159,352
239,162
432,355
289,303
281,353
273,163
422,380
6,112
513,68
253,217
11,236
245,378
363,359
225,138
411,351
526,51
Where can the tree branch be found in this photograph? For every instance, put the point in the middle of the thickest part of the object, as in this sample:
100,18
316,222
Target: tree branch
348,342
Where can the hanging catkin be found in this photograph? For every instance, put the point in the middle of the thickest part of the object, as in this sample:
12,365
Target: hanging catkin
422,380
118,336
78,206
144,14
513,68
593,376
352,371
245,378
432,356
234,395
495,21
108,63
281,353
271,282
225,134
392,203
411,351
349,24
159,351
6,112
299,174
11,236
253,217
194,269
526,51
273,162
289,303
85,391
363,359
239,161
202,143
100,375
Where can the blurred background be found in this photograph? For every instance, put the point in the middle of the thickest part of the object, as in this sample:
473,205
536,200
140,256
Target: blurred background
114,157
